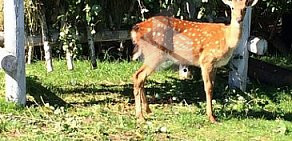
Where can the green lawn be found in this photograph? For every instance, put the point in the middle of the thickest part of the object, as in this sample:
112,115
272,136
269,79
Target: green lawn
87,104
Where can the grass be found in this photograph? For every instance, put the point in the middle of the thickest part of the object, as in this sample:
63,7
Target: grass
282,61
87,104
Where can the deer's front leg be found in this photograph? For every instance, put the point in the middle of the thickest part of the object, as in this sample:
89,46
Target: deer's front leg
141,104
208,75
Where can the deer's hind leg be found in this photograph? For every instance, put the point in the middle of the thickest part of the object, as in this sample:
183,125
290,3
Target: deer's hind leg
139,78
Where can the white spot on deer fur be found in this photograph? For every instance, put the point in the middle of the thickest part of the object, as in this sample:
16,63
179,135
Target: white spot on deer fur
217,42
193,34
158,33
154,33
148,29
186,30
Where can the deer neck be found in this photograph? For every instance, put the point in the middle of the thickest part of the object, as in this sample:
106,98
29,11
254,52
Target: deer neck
234,32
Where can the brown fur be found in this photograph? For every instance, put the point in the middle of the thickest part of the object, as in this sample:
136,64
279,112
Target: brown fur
206,45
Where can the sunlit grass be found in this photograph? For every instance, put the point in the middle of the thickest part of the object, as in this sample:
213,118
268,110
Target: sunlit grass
86,104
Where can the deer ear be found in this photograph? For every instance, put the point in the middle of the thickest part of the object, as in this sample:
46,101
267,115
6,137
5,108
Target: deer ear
227,2
251,2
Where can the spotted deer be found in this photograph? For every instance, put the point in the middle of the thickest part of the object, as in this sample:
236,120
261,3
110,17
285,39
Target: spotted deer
206,45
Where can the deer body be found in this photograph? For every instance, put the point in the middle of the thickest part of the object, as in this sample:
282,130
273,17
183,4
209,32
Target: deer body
187,42
206,45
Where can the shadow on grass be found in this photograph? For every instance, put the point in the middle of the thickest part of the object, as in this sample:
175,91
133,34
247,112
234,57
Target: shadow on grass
45,94
262,114
171,91
192,92
95,102
42,94
160,93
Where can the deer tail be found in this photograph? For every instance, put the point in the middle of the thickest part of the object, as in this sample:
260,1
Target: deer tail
137,52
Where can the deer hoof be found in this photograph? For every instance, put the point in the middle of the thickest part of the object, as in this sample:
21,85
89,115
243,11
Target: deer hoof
140,117
141,120
148,111
212,119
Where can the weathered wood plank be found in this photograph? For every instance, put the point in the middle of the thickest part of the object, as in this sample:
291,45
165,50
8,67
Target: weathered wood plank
112,36
119,35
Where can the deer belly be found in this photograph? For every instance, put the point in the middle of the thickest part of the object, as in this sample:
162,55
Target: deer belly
183,57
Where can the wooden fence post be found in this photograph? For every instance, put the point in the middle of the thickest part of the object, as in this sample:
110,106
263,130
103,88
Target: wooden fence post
239,61
14,58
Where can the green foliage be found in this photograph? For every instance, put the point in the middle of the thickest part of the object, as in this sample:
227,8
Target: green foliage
69,37
186,9
32,15
76,13
279,6
92,11
267,17
69,20
92,14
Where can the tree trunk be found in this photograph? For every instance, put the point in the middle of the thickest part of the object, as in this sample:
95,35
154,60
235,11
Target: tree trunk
45,39
29,54
14,43
91,47
69,58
